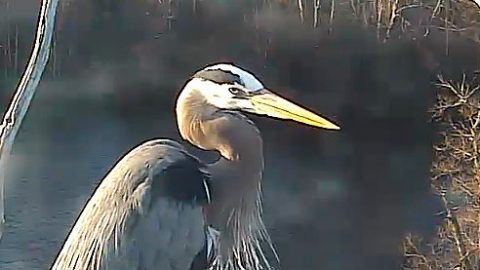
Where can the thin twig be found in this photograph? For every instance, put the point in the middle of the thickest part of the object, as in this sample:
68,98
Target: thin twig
393,15
447,9
332,13
300,10
316,10
457,232
379,14
354,9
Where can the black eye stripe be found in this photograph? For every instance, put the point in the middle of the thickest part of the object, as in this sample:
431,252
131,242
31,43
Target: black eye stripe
219,76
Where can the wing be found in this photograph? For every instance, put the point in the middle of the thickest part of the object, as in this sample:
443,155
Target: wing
146,214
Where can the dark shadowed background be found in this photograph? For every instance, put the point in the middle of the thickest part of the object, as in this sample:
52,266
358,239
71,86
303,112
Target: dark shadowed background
333,200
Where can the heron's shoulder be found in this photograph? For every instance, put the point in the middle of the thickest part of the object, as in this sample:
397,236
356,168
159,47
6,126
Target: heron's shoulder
161,167
167,169
160,147
158,154
162,142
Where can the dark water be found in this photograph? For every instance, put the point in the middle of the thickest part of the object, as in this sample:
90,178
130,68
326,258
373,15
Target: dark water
333,200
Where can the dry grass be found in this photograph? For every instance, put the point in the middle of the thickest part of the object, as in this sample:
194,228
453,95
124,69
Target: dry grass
400,16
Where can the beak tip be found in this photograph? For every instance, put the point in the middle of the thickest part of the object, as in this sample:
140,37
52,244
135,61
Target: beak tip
329,125
334,127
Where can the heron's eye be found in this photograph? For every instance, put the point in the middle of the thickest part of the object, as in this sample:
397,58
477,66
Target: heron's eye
236,91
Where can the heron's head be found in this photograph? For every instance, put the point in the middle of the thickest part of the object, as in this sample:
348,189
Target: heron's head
226,86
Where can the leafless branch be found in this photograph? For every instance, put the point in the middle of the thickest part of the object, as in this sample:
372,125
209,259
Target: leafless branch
457,233
25,91
316,10
332,13
300,10
456,180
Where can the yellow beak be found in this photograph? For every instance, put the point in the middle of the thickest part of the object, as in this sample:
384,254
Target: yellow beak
270,104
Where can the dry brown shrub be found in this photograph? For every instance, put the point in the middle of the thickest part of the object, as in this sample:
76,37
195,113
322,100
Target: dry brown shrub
456,180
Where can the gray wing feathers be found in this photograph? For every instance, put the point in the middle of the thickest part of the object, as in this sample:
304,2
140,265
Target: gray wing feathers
124,226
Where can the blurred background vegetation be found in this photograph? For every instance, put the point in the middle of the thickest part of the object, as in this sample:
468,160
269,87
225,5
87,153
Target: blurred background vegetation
365,198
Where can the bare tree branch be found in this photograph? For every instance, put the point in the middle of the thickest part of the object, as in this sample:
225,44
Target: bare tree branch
316,10
25,91
458,234
300,10
456,180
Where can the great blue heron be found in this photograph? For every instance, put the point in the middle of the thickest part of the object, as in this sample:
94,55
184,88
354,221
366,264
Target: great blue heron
161,208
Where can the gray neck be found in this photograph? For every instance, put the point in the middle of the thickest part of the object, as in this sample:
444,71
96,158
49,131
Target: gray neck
236,176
